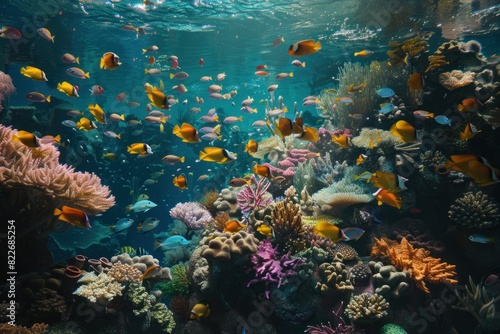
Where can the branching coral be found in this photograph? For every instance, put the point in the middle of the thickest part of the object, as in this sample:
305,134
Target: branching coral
422,267
254,196
124,273
456,79
191,214
26,168
477,302
101,290
475,211
287,224
271,267
367,308
340,328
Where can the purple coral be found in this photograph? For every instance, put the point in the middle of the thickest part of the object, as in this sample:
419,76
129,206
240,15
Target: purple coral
254,196
341,328
191,214
270,267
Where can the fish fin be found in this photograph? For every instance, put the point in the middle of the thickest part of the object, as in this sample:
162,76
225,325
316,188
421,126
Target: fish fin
47,98
101,64
183,159
87,75
146,71
304,64
118,136
171,75
57,212
77,60
290,74
317,46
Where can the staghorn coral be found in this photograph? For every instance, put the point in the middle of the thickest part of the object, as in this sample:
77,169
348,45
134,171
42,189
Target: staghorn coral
333,278
475,211
388,281
101,290
367,308
422,267
191,214
271,267
124,273
31,169
179,285
480,305
224,245
287,224
456,79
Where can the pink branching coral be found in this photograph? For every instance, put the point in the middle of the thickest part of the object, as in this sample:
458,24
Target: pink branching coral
254,196
26,168
270,267
191,214
6,87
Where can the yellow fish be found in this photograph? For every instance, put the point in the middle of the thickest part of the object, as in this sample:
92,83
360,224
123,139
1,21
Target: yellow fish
361,159
342,140
251,147
26,138
383,196
216,154
475,167
403,130
139,148
33,73
85,124
98,113
390,181
68,89
187,133
157,98
180,182
330,231
265,230
200,310
469,132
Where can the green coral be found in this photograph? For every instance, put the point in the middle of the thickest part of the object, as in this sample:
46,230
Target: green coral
139,299
163,316
392,329
179,285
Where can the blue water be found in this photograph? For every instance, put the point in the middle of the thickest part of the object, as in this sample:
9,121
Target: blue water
232,37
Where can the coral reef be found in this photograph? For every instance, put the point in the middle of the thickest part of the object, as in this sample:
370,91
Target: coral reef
360,275
100,289
287,225
6,88
369,138
422,267
475,211
388,281
254,196
347,252
340,328
224,245
191,214
124,273
271,267
142,263
227,201
367,308
48,306
179,284
456,79
333,278
457,55
26,168
477,302
35,329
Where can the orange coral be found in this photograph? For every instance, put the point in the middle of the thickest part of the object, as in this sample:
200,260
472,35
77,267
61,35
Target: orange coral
35,329
422,267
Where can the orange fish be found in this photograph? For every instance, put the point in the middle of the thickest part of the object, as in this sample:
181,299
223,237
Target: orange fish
469,132
151,60
262,73
180,182
151,272
342,140
261,170
187,133
284,127
233,226
110,61
251,147
383,196
404,130
389,181
73,216
310,134
470,104
26,138
260,67
416,82
304,48
476,167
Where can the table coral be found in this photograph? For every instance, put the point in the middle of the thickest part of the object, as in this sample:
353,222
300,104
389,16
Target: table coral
367,308
422,267
475,211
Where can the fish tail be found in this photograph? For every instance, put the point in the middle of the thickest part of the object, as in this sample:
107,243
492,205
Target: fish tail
183,159
57,138
77,60
47,98
57,212
112,228
139,229
304,64
118,136
176,130
460,107
144,51
317,46
290,74
146,71
87,75
101,64
171,75
52,38
203,155
157,245
356,54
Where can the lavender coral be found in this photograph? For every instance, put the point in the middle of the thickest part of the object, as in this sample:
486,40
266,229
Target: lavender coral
270,267
191,214
254,197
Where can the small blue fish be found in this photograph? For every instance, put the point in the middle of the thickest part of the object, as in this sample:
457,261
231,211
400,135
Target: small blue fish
442,119
121,225
353,233
386,108
482,239
69,123
385,93
171,242
143,205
